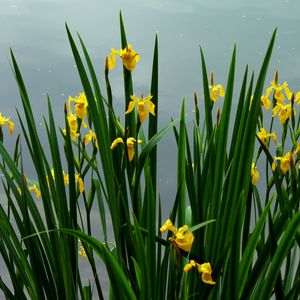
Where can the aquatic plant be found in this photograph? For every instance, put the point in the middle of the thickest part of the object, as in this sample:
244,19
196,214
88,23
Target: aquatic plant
231,240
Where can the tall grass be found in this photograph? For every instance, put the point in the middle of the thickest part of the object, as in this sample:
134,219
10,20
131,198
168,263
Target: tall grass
244,241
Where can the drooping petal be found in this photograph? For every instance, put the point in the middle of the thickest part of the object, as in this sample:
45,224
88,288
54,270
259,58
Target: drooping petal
116,142
221,90
11,127
151,108
7,122
131,106
206,278
142,111
254,174
288,93
112,59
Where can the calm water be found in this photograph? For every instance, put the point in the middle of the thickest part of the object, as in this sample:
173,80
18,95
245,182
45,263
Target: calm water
35,31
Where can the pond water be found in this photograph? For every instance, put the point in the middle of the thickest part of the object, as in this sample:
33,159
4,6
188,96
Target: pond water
34,29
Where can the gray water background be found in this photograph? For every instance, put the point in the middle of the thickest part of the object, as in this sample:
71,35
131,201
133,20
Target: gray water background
35,32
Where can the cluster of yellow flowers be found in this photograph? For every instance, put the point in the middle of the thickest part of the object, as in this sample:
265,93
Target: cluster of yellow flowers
183,239
78,179
285,111
37,191
281,109
81,107
144,105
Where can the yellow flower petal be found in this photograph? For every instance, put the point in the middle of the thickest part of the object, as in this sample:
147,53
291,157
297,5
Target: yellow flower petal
79,180
254,174
168,226
131,106
112,59
116,142
35,189
7,122
142,112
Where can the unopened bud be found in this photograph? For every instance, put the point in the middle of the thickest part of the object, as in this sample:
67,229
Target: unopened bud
65,108
218,114
195,99
276,77
25,181
212,80
292,164
106,65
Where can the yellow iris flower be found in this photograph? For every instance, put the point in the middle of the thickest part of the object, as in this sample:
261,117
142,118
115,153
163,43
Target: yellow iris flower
265,99
130,145
204,269
144,106
215,90
278,95
91,136
286,162
264,136
7,122
72,120
254,174
128,55
78,179
285,113
81,105
32,188
35,189
183,239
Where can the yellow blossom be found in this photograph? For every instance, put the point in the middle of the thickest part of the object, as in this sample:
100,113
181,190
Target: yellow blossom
7,122
278,95
215,90
183,239
286,162
144,106
204,269
81,251
66,177
90,136
296,96
35,189
297,148
72,120
264,136
128,55
285,113
254,174
265,99
130,145
79,180
81,105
